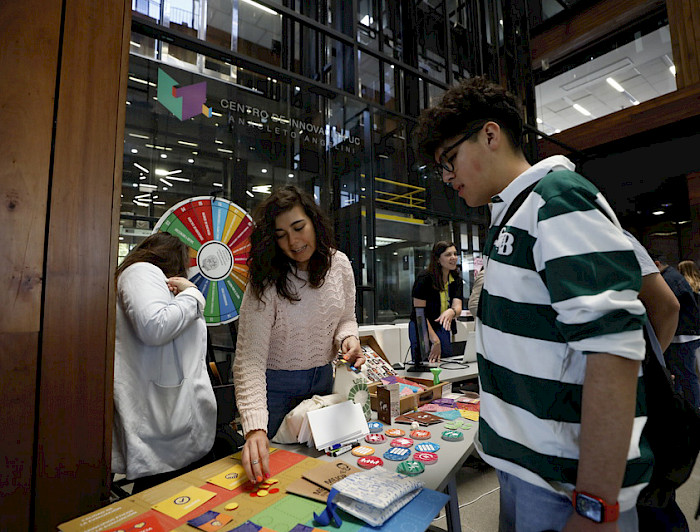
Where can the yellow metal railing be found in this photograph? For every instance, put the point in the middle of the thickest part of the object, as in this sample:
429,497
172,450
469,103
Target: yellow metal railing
411,198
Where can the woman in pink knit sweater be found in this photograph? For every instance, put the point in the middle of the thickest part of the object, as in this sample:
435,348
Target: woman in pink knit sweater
297,312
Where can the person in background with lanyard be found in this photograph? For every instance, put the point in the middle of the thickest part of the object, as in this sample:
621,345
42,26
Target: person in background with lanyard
439,290
298,310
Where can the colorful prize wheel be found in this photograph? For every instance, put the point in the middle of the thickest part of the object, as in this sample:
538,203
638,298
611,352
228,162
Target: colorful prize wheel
218,235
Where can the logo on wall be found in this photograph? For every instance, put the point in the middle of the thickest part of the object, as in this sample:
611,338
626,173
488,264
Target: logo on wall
184,102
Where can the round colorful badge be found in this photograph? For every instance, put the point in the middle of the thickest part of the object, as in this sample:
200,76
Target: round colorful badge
362,450
375,438
458,424
397,454
395,433
410,468
401,442
368,462
426,458
420,434
427,447
452,435
375,427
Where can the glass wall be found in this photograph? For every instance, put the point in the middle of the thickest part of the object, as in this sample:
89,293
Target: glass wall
321,94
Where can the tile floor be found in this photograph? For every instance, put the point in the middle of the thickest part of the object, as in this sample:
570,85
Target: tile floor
478,499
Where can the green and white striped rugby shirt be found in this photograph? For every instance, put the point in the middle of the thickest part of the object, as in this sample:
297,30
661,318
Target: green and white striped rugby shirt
561,281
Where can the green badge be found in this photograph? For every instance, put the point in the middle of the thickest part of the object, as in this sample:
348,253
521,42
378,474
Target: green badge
452,435
410,468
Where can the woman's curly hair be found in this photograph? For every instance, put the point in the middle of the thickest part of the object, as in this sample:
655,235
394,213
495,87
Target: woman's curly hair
267,263
463,106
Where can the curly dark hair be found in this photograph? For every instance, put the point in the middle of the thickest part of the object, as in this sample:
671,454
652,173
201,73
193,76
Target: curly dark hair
267,263
164,250
463,106
434,268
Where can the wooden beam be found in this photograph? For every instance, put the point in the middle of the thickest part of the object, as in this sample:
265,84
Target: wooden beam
29,42
75,390
649,115
684,22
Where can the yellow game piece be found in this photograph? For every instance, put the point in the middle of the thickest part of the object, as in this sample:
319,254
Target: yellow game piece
262,493
272,481
231,506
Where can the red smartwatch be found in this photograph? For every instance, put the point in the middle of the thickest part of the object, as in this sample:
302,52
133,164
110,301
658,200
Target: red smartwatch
595,508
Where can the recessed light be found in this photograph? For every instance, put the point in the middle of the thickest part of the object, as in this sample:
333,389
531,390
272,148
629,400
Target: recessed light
264,170
250,193
163,156
582,110
290,175
190,161
615,85
658,213
134,150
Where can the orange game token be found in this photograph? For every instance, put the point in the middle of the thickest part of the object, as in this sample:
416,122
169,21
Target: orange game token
420,434
394,432
362,450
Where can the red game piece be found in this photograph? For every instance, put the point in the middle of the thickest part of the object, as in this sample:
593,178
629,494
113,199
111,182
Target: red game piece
368,462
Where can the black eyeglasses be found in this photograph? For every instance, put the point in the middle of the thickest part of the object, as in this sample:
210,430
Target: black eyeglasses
447,163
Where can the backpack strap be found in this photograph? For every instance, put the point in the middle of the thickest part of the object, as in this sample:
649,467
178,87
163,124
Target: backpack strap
512,208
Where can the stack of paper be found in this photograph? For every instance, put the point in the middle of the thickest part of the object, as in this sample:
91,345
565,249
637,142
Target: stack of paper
337,424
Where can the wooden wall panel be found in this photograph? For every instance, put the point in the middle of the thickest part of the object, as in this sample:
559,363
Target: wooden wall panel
586,28
74,422
684,22
27,87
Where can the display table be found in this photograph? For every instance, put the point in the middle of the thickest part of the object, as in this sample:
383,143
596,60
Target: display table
276,510
459,374
440,476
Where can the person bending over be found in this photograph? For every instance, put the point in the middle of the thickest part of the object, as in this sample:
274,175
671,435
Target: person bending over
297,312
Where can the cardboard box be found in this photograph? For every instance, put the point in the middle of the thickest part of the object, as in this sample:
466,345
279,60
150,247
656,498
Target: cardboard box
407,403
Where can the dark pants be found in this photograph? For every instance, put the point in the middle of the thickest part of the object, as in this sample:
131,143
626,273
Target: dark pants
145,483
286,389
445,341
667,519
680,359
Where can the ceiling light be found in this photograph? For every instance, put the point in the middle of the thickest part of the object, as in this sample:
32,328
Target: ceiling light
366,20
137,45
137,165
185,143
134,184
165,182
538,120
658,213
142,177
290,175
136,135
557,130
249,193
264,170
265,189
190,161
165,188
140,204
669,64
158,203
147,186
224,150
173,178
141,196
582,110
615,85
214,113
218,185
217,141
128,102
672,69
134,150
163,156
261,7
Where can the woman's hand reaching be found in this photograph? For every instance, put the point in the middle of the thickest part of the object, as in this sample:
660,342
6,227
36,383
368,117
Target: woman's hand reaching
352,351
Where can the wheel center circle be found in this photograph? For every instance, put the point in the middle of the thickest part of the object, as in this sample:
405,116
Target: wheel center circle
215,260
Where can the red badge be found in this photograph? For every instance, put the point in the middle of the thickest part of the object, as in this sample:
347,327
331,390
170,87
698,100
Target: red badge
401,442
368,462
426,458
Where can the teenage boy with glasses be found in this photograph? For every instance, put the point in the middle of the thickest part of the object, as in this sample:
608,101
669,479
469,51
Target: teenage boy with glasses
559,322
